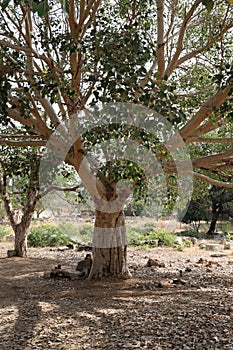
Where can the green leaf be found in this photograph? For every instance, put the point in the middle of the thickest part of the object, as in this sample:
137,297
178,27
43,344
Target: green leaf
5,3
209,4
147,26
66,6
42,8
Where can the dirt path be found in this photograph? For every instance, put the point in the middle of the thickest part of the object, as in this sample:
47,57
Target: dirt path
147,312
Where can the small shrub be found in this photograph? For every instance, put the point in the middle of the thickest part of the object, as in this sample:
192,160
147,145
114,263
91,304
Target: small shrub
3,232
167,238
229,236
149,224
69,229
180,248
150,238
85,233
189,233
134,238
225,226
80,233
85,229
46,236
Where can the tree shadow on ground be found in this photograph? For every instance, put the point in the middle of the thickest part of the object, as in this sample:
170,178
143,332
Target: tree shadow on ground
117,316
40,313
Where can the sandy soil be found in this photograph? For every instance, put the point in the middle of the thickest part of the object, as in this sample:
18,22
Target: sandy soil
152,310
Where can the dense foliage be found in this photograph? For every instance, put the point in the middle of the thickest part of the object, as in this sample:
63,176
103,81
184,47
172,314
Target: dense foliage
60,61
47,236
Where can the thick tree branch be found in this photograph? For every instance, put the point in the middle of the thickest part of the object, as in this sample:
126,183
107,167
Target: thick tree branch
92,17
20,48
160,38
48,109
85,12
82,10
211,181
212,140
205,128
179,46
204,112
22,143
72,17
20,136
37,126
29,32
213,159
205,47
58,188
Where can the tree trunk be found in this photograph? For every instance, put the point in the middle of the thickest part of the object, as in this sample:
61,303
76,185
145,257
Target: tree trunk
21,232
213,220
22,228
109,246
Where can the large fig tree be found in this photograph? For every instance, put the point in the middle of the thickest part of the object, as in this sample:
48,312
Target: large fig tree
58,61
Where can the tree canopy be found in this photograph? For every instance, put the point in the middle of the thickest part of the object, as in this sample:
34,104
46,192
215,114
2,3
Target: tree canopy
60,60
172,57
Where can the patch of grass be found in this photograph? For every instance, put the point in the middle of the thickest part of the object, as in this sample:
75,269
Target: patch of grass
134,235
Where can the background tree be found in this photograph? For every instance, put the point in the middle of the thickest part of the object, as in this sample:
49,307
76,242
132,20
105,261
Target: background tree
19,191
59,59
197,211
221,203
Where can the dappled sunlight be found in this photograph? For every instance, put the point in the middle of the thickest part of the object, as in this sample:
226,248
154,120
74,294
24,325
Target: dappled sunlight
39,312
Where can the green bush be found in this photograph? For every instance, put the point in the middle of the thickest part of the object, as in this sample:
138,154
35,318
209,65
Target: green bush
3,232
134,238
150,238
149,224
229,236
47,236
85,233
225,226
69,229
86,229
80,233
167,238
189,233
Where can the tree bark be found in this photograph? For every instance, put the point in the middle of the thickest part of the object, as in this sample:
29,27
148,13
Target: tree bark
109,246
21,232
213,220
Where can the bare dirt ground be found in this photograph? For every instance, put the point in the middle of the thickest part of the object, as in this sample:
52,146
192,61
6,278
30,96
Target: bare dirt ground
149,311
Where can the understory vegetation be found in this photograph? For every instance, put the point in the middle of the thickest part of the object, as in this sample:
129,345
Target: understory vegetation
143,236
3,232
47,235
